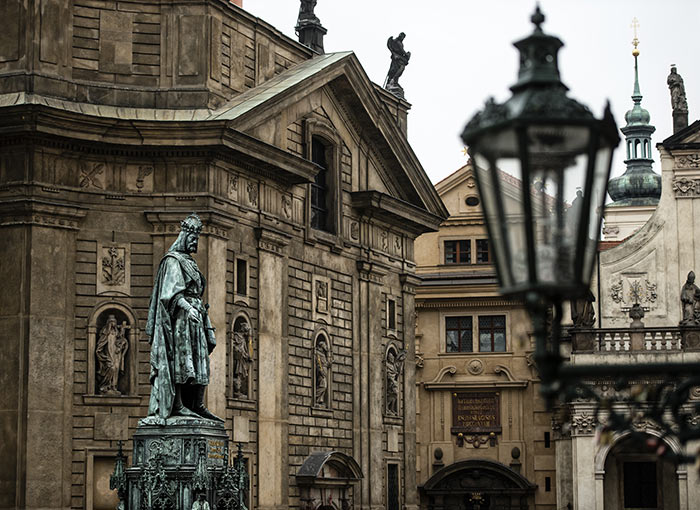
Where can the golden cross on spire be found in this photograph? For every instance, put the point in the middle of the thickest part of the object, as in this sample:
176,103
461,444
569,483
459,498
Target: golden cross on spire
635,41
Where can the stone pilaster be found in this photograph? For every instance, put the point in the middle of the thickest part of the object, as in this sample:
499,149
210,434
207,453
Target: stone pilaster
36,366
371,364
273,421
408,294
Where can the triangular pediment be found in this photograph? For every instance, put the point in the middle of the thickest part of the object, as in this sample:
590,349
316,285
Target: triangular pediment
687,136
334,89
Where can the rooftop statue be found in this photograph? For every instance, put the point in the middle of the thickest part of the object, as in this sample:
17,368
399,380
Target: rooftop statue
306,11
180,332
677,88
399,61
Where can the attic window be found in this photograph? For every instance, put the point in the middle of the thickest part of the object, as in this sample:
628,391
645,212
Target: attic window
472,201
320,187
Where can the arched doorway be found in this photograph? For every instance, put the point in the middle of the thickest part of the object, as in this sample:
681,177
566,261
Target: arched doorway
327,481
477,485
637,478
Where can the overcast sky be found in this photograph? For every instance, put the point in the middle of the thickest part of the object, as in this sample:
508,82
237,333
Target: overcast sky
462,53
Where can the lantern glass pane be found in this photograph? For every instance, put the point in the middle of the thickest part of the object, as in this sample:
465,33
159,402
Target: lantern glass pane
500,189
557,161
601,172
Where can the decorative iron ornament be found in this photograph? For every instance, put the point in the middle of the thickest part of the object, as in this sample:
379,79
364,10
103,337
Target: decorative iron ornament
658,411
200,478
157,492
232,484
117,481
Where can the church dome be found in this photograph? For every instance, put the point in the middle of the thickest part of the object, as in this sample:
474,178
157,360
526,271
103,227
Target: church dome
637,186
637,116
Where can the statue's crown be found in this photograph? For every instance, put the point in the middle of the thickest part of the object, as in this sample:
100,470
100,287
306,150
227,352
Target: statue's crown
191,224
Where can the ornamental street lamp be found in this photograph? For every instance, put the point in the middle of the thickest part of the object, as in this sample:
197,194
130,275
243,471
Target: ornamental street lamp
542,164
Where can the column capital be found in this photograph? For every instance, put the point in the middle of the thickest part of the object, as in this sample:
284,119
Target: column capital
371,271
409,282
271,240
168,222
44,213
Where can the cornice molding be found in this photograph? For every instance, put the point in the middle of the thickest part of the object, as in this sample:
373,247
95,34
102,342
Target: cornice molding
31,211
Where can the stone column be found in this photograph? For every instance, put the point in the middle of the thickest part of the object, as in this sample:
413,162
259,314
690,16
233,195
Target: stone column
273,412
216,239
583,460
372,385
408,294
37,328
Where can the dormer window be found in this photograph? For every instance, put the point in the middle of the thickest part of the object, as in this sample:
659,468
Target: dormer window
320,186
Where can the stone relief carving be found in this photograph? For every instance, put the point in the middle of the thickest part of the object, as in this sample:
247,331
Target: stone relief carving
242,348
475,367
633,289
354,230
583,424
611,230
252,189
394,367
690,302
232,185
684,186
688,161
397,244
324,360
114,266
287,206
110,353
384,236
321,296
90,173
144,171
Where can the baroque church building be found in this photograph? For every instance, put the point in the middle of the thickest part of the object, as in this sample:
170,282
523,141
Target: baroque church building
118,120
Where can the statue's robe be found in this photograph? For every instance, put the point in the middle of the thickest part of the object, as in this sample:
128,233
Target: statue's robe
180,346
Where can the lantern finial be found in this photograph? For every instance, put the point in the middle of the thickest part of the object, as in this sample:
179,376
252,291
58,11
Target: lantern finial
537,18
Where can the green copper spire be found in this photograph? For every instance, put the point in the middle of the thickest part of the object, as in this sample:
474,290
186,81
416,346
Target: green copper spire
639,185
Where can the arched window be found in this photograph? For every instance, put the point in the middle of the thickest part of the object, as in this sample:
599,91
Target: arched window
629,149
320,152
647,149
637,148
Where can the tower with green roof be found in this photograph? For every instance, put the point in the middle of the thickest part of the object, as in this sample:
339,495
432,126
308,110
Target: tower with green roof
637,190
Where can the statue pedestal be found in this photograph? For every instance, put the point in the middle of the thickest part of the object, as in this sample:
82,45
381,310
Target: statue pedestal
172,463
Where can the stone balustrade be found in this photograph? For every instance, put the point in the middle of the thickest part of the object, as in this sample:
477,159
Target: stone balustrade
616,340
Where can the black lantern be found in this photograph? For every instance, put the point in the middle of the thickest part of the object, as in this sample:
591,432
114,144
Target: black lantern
542,165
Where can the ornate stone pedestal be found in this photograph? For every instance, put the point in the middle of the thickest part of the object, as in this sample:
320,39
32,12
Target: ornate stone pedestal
173,464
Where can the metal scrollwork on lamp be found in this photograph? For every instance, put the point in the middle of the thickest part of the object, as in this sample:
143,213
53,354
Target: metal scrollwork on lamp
542,165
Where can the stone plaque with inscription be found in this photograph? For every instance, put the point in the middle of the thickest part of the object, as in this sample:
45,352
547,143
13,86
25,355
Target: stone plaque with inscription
476,413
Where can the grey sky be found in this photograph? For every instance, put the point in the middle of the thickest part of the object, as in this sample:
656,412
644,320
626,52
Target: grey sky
462,53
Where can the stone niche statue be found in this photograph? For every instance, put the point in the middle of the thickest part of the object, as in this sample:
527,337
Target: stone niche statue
306,11
394,367
110,353
242,359
180,332
324,360
399,61
690,299
583,312
677,88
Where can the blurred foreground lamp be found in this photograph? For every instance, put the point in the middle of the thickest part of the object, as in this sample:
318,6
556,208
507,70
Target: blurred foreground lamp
542,167
542,164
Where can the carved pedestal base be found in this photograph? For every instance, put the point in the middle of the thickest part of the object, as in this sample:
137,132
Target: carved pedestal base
173,464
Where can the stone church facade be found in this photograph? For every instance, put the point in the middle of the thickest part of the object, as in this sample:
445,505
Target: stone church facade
118,120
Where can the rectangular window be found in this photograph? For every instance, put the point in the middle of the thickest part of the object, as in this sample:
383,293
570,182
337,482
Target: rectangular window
547,440
319,188
492,333
482,251
241,277
458,252
639,484
392,496
391,313
547,484
458,334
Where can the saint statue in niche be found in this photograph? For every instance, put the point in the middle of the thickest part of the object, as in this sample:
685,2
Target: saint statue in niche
323,366
180,332
394,368
690,297
110,353
241,358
